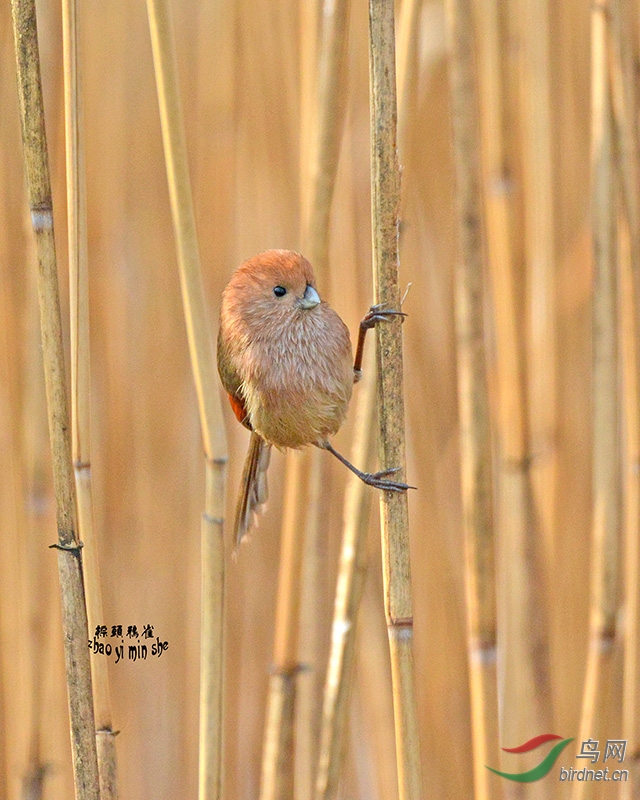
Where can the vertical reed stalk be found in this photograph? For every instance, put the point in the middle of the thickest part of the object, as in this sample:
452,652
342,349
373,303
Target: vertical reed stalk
278,768
473,399
525,670
537,164
624,54
311,645
74,615
81,391
607,509
308,85
211,422
325,151
394,517
407,65
373,671
349,590
352,567
38,504
631,488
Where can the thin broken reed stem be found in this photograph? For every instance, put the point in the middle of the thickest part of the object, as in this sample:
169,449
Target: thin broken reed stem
211,421
74,615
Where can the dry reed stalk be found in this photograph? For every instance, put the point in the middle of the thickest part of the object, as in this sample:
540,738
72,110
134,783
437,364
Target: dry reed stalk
74,616
407,65
537,165
38,504
607,473
312,644
309,51
278,768
81,392
394,517
631,490
325,148
215,111
533,92
323,122
527,686
211,422
20,603
624,50
351,576
19,668
373,671
352,569
15,667
473,400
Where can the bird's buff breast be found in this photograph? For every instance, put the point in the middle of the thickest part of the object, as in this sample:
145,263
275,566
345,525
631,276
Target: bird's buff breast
297,391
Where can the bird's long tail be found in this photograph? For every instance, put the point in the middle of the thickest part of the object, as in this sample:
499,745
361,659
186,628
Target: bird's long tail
253,486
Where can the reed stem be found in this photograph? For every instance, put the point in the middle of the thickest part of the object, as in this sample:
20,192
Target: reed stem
349,589
524,645
407,66
278,767
81,391
631,488
394,517
74,615
532,22
325,151
211,421
624,54
607,474
473,400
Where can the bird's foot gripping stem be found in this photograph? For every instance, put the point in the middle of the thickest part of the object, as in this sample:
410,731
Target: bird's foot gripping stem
378,480
377,313
380,313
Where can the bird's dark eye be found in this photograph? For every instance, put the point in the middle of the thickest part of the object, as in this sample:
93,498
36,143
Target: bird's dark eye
279,291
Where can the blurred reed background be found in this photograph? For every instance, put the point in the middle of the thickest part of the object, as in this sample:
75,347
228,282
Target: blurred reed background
558,129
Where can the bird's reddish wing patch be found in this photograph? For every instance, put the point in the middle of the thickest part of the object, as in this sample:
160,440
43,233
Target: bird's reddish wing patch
239,410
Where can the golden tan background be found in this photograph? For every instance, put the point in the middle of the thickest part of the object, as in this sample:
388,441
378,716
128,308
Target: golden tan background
240,67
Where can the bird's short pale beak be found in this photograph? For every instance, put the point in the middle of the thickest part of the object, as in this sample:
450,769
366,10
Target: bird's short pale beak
309,299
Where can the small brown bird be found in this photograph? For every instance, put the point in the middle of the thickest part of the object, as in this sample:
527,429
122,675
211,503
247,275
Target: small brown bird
285,359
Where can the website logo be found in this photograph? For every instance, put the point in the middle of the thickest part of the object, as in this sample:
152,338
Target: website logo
544,767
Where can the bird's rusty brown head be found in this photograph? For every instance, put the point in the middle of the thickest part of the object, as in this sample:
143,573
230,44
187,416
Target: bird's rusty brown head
276,283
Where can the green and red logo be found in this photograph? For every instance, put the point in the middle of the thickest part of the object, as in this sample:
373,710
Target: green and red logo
544,767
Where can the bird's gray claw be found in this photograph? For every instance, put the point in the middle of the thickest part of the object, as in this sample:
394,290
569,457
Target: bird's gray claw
378,481
379,313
